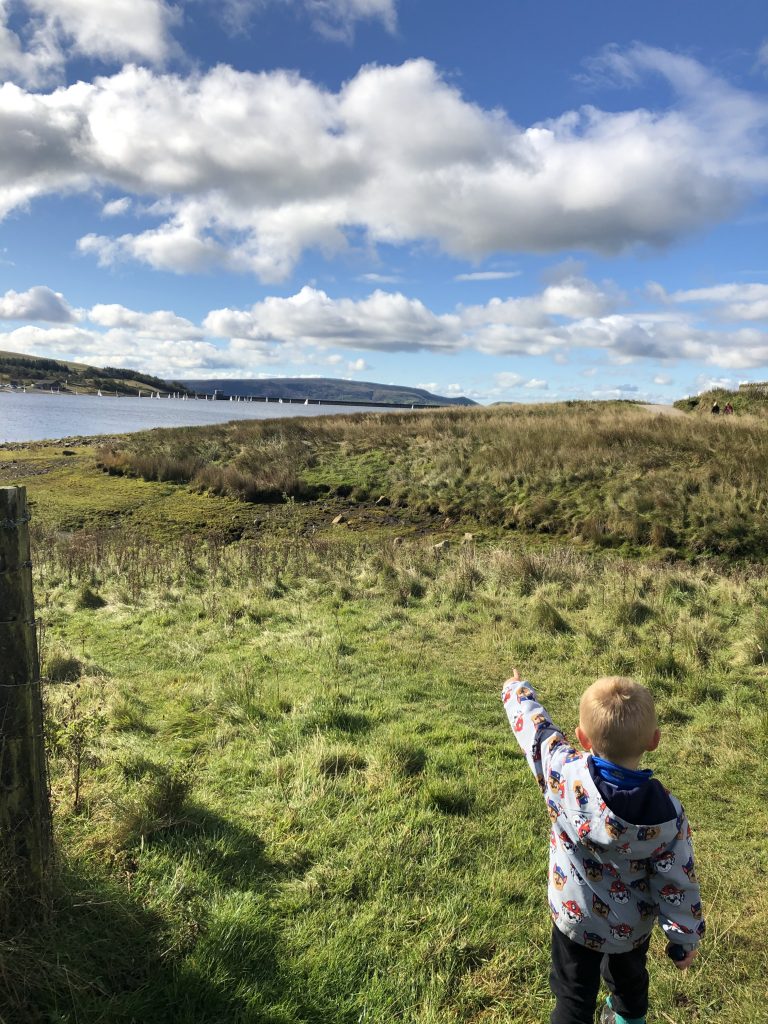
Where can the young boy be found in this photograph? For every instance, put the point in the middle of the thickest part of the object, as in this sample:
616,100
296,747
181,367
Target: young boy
620,849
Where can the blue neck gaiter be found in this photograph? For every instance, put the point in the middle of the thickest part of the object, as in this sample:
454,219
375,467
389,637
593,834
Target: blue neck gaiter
620,777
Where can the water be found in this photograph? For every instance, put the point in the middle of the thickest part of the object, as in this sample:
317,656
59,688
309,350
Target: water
37,417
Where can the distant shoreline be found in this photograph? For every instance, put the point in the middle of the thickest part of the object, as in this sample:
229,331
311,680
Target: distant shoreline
202,397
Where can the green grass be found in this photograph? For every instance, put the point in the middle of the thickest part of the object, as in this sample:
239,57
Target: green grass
69,494
300,799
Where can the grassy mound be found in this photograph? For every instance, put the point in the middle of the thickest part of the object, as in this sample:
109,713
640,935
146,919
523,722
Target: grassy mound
745,403
608,475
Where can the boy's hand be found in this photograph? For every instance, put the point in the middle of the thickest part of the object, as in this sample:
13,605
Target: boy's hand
515,677
683,965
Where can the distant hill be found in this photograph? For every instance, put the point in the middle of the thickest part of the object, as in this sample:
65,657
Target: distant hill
326,389
23,371
18,370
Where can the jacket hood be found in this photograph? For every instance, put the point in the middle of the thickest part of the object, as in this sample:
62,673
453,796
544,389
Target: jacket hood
590,821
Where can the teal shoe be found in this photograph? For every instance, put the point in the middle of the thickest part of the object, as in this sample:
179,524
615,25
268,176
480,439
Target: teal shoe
610,1016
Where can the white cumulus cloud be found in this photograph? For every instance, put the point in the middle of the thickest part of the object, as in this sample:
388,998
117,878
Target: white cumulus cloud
732,301
383,321
574,314
161,323
247,171
118,347
337,18
506,381
310,327
707,383
49,32
38,303
334,19
117,207
117,29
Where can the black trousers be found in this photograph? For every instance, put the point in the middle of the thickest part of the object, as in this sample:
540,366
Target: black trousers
575,980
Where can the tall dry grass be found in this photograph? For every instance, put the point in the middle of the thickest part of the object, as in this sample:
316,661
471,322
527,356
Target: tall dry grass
608,474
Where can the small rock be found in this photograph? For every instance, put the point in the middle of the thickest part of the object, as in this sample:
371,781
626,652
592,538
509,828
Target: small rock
340,520
468,538
442,545
447,521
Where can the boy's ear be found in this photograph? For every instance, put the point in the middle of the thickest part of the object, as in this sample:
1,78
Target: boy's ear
655,740
583,739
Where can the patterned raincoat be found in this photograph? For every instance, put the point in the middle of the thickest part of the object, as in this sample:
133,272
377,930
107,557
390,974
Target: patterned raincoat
610,877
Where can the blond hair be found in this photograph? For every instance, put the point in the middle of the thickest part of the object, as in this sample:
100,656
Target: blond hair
618,716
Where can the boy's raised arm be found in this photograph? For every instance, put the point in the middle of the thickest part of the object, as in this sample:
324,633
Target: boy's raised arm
531,725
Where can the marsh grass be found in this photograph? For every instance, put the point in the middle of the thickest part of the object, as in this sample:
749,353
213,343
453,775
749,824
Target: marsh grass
607,475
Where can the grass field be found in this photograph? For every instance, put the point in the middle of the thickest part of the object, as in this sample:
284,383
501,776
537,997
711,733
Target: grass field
284,787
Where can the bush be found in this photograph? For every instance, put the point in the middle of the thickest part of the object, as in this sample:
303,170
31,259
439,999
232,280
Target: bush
63,668
333,715
270,486
88,598
240,699
752,649
158,804
662,536
127,714
459,584
631,613
135,766
547,618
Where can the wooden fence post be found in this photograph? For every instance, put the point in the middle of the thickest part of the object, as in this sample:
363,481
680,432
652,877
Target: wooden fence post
25,816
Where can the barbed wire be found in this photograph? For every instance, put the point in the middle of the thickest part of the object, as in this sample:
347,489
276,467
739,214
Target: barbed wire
15,568
14,524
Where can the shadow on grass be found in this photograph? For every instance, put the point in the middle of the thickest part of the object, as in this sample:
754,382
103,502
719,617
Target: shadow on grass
234,856
104,956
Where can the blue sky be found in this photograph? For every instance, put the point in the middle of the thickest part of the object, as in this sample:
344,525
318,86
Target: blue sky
518,201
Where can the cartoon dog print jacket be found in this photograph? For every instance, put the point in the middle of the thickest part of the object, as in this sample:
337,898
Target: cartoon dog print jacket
609,879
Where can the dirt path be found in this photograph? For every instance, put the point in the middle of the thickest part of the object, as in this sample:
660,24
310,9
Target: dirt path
663,410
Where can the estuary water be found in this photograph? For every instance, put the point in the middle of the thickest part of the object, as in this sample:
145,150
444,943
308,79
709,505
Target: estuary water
26,416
